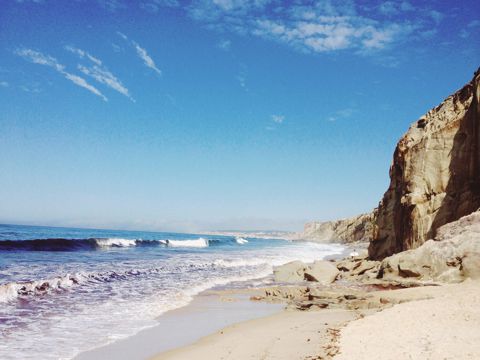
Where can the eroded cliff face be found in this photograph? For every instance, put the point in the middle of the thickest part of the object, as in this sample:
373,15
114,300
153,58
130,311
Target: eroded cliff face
434,178
358,228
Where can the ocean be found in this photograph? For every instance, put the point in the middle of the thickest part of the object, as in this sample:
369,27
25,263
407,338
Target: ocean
65,290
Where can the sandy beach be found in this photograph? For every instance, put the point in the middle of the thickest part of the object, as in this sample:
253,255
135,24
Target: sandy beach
428,323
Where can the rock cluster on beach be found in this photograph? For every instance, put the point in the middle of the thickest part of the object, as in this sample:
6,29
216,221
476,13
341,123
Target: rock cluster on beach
452,257
323,272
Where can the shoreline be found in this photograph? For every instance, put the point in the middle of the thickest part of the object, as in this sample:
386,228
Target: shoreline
231,302
436,311
210,311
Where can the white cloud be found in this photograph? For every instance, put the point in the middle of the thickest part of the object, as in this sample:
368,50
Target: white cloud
471,27
99,72
474,23
242,80
436,16
341,114
112,5
47,60
117,48
242,77
142,54
147,60
224,45
33,88
122,35
154,5
82,54
278,118
391,8
83,83
102,75
406,6
321,26
4,84
41,59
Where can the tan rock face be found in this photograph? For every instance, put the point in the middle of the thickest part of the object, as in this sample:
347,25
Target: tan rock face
435,175
358,228
320,271
451,257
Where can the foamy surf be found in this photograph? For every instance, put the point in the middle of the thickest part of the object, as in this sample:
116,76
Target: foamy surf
198,243
115,242
118,283
241,241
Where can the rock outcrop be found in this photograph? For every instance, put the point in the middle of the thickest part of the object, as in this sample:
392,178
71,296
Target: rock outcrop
323,272
358,228
451,257
435,175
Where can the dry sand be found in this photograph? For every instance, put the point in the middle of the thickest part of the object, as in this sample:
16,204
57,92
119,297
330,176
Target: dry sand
288,335
431,323
445,327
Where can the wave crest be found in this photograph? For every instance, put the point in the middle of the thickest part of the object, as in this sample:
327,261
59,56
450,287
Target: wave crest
241,241
198,243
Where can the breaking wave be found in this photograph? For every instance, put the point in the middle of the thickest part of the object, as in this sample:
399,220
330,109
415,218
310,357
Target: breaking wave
198,243
241,241
62,244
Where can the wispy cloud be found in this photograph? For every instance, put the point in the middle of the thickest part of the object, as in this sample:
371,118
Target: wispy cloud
122,35
102,75
242,81
147,60
142,54
472,26
322,26
83,83
4,84
37,57
391,8
242,77
436,16
99,72
224,45
341,114
112,5
278,119
154,5
82,54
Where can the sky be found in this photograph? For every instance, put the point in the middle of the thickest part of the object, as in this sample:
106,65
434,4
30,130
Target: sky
226,114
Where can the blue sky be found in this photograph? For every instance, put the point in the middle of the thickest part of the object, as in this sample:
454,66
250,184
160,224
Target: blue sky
226,114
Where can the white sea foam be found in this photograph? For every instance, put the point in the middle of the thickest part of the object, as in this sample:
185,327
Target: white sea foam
104,299
197,243
11,291
241,241
115,242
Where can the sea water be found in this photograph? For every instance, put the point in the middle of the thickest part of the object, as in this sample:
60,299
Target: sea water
65,290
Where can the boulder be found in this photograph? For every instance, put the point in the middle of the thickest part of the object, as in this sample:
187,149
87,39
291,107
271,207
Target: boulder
323,272
291,272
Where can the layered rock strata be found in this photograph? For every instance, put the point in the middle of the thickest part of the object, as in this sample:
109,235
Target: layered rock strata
435,175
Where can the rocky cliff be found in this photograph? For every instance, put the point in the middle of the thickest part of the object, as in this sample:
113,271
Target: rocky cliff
358,228
434,178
